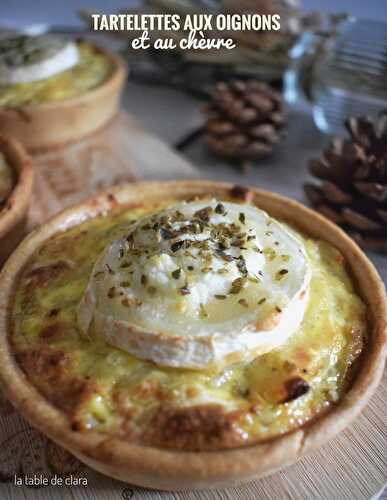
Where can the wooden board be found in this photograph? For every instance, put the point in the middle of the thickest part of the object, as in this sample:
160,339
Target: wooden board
352,466
120,152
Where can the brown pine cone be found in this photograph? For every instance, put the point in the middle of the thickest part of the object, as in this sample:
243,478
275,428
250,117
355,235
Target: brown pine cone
244,120
353,191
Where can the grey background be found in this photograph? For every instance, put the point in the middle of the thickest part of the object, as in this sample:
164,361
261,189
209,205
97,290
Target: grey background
64,11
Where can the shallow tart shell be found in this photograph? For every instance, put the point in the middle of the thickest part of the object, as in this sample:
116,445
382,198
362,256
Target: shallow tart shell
174,470
13,215
46,125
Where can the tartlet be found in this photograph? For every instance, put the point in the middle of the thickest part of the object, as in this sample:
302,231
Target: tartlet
44,114
155,466
14,206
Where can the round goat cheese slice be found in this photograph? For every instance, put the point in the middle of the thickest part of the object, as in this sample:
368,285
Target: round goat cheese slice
198,284
25,58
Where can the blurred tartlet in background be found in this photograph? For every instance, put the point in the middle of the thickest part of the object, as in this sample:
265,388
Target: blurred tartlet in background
54,90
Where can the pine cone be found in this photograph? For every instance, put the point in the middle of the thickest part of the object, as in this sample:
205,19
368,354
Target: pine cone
353,191
244,120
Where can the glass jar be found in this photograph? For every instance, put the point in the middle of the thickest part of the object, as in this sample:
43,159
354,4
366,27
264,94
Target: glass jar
342,74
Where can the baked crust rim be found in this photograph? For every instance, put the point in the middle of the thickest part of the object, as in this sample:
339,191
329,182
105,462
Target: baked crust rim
174,470
37,125
13,214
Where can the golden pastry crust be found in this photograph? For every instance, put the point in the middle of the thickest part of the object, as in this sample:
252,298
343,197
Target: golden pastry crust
13,212
51,124
253,399
168,469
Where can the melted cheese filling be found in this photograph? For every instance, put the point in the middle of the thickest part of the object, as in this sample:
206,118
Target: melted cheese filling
101,387
92,70
197,284
25,59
